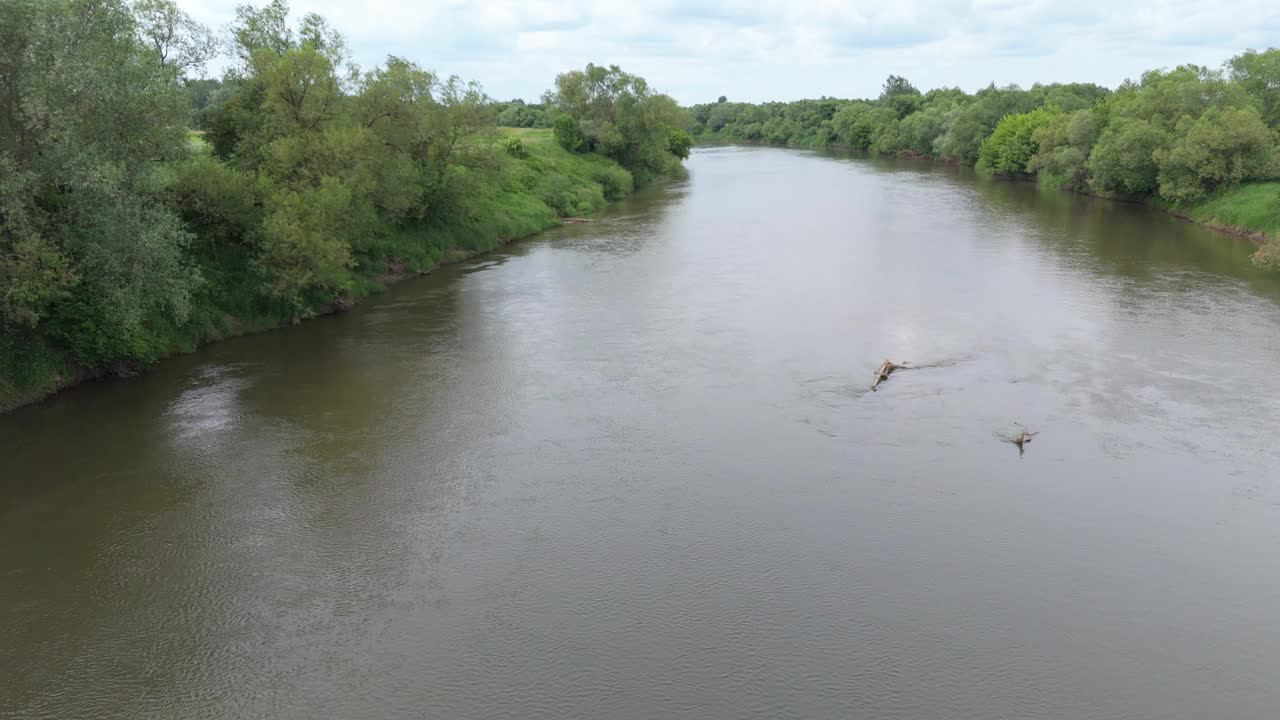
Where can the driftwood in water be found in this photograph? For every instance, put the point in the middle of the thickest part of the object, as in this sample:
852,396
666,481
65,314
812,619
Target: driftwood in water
575,220
884,371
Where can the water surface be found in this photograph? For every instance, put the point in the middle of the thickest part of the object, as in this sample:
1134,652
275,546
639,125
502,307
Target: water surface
631,469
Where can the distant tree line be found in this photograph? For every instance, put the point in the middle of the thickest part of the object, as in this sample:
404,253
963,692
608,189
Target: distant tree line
1177,136
519,114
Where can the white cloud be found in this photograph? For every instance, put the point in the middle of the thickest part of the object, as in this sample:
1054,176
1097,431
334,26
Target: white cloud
776,49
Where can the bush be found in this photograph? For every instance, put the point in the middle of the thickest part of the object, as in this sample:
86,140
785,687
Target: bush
615,182
615,114
1222,147
515,148
1123,161
679,142
569,135
1064,146
1013,143
568,199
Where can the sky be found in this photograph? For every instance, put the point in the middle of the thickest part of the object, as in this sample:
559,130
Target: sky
698,50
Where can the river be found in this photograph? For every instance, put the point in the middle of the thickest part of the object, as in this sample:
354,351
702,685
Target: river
631,469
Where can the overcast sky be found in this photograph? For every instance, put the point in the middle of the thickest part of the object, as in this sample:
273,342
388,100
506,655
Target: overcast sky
767,50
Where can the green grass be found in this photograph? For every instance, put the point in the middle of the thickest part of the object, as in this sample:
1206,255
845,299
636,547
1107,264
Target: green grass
1253,207
521,197
197,143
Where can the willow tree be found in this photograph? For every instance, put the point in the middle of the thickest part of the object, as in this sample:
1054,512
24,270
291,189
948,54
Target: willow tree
88,112
617,115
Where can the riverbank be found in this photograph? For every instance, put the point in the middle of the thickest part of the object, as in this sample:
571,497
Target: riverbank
1249,210
1252,210
531,185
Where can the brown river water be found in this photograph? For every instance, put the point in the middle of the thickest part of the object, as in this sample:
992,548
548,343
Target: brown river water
631,469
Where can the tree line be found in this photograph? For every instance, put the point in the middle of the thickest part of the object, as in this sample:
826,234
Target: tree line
1178,137
145,208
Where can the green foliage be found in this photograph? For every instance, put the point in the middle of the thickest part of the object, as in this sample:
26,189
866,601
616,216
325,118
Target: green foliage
1258,75
922,131
615,182
1123,162
1062,149
900,96
944,122
1254,206
569,135
1221,147
1164,97
79,139
1012,144
567,199
679,142
1069,97
518,114
617,115
125,236
977,119
202,93
305,242
515,148
179,44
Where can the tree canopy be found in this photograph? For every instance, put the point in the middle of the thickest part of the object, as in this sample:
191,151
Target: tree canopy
605,110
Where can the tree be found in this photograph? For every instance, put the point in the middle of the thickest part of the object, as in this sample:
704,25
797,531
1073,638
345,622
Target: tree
679,142
201,93
1013,142
460,111
1221,147
1069,97
305,246
1123,162
617,115
34,272
856,124
266,29
180,44
976,120
301,86
924,129
1063,147
1163,98
897,85
1258,73
901,96
88,252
